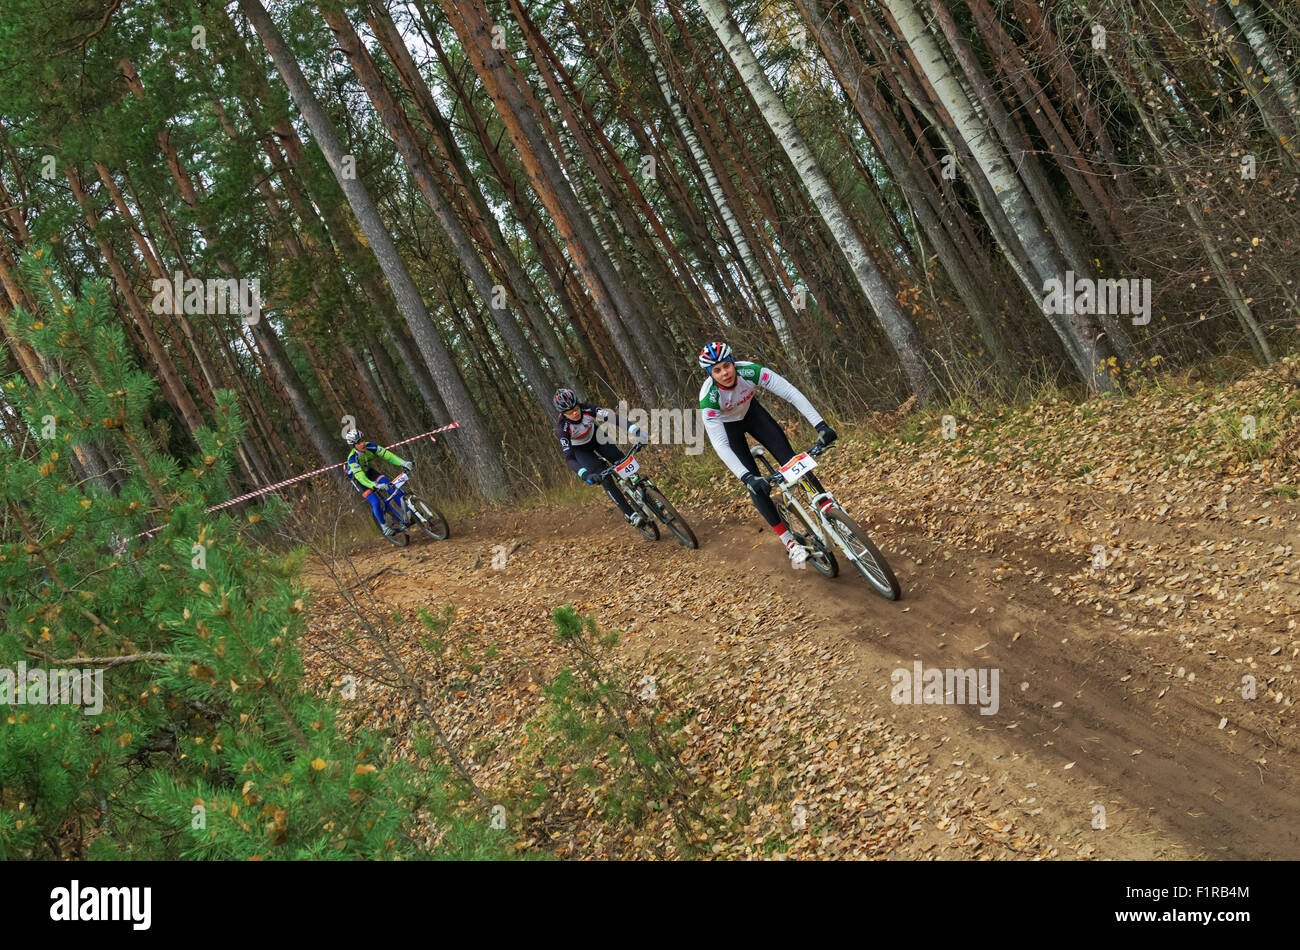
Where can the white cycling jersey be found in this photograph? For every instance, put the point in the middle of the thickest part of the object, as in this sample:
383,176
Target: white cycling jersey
720,406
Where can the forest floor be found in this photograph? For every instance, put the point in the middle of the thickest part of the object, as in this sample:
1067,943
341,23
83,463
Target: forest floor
1128,567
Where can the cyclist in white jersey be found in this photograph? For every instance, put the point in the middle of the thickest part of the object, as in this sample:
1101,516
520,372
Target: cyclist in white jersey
731,410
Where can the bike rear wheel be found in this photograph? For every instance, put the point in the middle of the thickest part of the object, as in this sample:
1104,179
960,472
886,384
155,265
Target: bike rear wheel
866,557
666,513
429,519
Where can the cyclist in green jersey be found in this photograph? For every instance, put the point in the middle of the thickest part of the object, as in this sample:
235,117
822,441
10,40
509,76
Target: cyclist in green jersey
361,472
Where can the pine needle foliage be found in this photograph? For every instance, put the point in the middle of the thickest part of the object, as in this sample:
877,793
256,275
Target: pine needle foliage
208,744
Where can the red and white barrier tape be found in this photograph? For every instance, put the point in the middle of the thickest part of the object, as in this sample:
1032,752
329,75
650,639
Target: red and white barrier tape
298,478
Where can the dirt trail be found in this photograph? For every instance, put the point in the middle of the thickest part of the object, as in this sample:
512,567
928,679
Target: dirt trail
1084,719
1128,568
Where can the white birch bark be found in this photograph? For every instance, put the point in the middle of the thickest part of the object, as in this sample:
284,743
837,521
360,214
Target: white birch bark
1077,331
900,332
1226,33
1258,39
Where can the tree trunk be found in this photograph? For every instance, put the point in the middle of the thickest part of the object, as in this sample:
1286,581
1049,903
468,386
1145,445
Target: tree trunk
472,27
618,188
483,461
752,268
390,381
516,279
1078,332
1282,118
1253,31
173,386
899,330
1016,146
1254,333
434,191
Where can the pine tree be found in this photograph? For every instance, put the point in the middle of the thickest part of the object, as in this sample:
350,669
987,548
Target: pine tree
207,743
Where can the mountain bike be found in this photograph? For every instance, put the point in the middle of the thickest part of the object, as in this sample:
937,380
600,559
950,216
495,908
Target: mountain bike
403,510
822,531
642,495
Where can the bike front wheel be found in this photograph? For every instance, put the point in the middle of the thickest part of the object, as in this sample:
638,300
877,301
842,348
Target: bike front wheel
866,557
819,555
429,519
648,528
666,513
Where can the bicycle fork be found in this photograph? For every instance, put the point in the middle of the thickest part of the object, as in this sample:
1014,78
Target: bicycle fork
821,526
815,523
398,507
836,539
636,495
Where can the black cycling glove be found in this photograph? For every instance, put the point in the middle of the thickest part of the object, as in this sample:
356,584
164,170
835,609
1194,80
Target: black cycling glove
759,486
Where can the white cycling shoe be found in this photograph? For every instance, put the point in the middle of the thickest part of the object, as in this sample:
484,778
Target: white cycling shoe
798,554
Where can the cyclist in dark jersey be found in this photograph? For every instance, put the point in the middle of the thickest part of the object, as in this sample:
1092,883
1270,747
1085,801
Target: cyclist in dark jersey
585,448
731,410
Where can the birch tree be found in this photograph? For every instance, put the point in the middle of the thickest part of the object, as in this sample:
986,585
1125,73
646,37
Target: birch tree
1078,332
755,272
900,332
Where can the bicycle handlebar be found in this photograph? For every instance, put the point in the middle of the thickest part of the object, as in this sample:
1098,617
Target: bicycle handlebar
776,478
606,472
389,484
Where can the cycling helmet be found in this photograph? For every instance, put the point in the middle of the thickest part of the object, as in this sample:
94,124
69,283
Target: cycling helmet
565,399
714,353
351,436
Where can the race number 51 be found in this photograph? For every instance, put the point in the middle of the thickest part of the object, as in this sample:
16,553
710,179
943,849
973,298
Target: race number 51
798,467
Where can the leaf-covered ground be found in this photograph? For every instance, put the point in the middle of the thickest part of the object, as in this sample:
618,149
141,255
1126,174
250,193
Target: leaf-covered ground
1127,567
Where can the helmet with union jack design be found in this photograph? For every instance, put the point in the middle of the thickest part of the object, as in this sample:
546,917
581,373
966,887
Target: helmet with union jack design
715,353
564,400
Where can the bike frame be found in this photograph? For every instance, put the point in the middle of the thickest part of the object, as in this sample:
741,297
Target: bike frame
612,469
396,501
636,485
817,523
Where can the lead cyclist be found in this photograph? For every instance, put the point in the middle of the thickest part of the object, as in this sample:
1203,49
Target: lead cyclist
731,410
